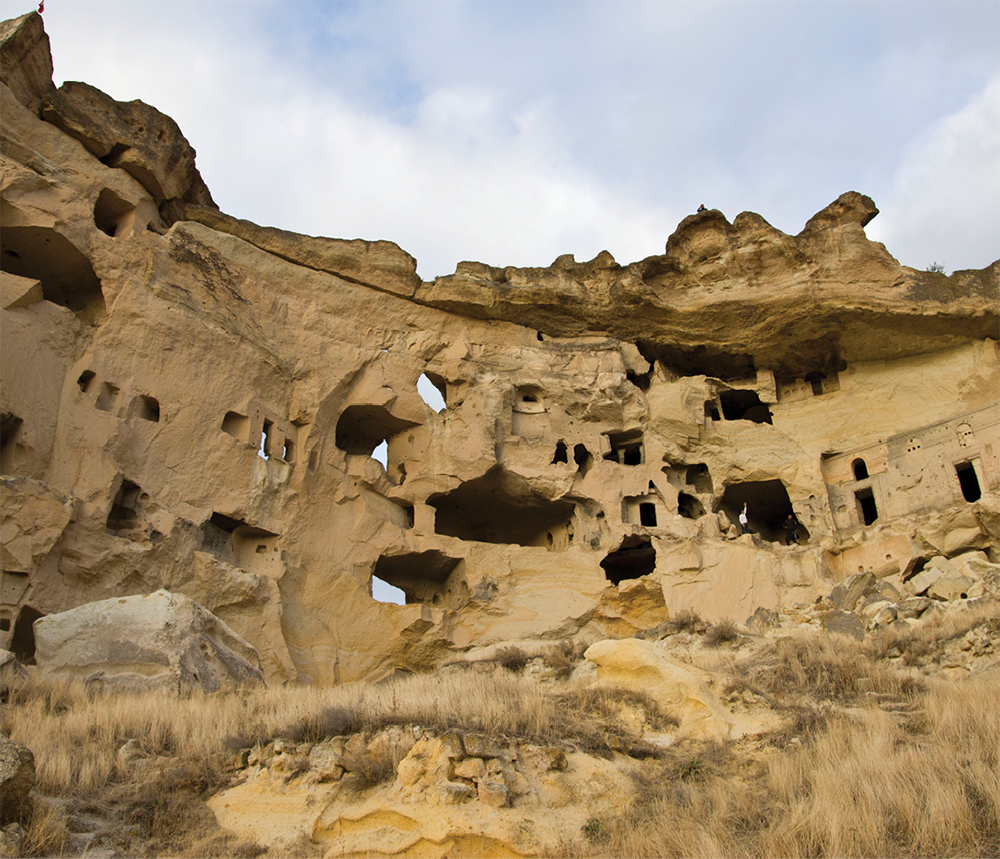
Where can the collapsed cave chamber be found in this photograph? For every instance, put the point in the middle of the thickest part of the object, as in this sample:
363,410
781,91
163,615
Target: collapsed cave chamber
503,507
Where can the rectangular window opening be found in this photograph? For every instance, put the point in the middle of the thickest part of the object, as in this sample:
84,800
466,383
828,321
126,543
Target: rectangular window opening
969,481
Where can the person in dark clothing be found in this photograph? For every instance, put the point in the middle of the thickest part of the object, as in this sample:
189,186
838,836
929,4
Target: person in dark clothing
792,530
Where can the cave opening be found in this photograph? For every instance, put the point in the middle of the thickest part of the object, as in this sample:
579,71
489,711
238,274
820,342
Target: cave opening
361,429
860,469
425,578
969,481
22,641
741,405
768,506
689,507
626,448
867,509
502,507
632,560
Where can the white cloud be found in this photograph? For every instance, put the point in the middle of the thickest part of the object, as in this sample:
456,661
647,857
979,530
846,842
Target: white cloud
944,204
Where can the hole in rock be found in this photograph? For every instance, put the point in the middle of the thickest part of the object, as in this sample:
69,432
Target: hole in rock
711,411
236,425
699,361
424,577
107,397
4,624
640,380
635,558
22,641
86,377
433,390
860,469
583,458
67,277
867,509
9,425
384,592
148,408
381,453
109,211
124,514
647,514
264,451
561,454
501,507
969,481
361,429
626,448
698,476
768,506
689,507
744,406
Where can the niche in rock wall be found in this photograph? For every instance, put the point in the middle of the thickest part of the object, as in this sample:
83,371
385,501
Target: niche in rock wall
146,408
633,559
236,425
107,397
699,477
744,406
501,507
768,506
67,277
561,454
583,458
529,418
428,578
689,507
699,361
252,549
22,642
128,515
112,213
864,499
626,448
10,426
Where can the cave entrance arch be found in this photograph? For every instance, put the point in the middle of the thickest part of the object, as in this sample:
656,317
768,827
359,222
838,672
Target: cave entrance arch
635,558
426,578
502,507
22,641
768,506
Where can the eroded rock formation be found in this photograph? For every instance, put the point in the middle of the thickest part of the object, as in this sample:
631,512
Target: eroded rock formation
191,402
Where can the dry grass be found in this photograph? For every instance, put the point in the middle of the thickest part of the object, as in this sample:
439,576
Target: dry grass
872,762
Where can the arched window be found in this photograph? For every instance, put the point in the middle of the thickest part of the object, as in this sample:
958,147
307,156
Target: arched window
860,469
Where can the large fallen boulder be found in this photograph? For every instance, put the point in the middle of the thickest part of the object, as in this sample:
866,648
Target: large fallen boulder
162,640
17,778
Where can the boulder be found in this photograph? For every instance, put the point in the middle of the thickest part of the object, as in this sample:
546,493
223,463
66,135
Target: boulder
845,623
924,579
847,594
950,587
162,640
17,778
25,59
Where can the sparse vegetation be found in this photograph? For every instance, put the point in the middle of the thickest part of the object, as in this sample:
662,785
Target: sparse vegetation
687,621
721,633
936,267
872,758
512,658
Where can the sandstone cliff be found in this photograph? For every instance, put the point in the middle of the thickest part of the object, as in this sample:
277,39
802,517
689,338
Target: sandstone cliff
191,402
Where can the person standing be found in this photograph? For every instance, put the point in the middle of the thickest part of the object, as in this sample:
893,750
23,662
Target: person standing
791,530
744,520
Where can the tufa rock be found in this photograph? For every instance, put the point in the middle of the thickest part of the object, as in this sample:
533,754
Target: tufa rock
162,640
17,778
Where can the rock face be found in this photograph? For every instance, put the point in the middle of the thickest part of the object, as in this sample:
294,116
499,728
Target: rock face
17,778
158,641
452,795
192,402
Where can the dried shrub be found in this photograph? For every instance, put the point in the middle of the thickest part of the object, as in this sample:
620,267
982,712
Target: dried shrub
512,658
721,633
687,621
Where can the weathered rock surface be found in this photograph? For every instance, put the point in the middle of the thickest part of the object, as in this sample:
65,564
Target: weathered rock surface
681,690
454,794
17,778
192,402
162,640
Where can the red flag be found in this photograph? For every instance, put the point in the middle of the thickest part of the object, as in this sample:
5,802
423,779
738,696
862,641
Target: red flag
41,7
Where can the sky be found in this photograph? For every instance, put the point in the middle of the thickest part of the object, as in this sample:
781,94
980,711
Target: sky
514,132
